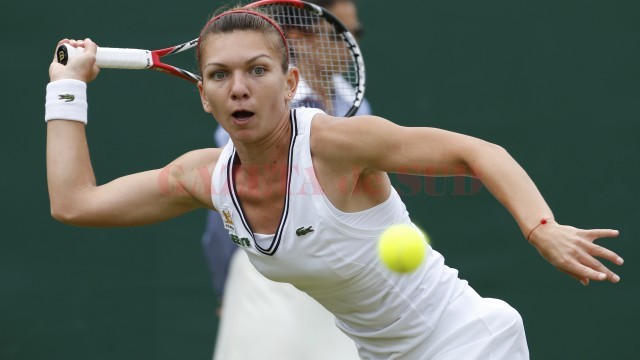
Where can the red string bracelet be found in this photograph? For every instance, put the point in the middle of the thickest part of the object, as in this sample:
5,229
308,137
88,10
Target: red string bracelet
542,222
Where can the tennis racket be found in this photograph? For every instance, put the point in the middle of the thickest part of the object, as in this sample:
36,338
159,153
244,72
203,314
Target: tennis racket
326,53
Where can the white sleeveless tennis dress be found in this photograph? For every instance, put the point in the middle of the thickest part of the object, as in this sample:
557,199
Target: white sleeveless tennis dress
332,256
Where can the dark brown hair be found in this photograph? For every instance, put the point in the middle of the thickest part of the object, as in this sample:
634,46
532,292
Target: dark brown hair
240,19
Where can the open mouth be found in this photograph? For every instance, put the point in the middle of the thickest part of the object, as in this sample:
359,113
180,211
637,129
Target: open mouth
242,115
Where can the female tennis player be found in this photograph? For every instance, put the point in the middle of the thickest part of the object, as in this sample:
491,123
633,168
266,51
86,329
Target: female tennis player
305,330
291,169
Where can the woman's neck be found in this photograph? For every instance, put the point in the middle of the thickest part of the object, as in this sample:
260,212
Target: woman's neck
273,149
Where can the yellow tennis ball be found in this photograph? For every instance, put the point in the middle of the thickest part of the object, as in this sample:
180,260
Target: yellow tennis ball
402,248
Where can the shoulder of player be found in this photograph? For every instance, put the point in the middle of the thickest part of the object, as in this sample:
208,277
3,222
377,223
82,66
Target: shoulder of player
328,131
340,136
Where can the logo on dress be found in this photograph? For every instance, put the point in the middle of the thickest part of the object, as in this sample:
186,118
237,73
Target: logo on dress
244,242
227,218
302,231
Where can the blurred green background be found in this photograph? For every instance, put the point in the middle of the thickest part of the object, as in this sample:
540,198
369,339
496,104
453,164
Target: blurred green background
556,83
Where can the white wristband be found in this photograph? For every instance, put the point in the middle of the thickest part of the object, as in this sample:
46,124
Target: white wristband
66,100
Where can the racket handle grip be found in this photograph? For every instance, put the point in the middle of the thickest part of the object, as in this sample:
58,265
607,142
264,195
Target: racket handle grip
113,58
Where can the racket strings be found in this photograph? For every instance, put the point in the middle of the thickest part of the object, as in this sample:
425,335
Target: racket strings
327,65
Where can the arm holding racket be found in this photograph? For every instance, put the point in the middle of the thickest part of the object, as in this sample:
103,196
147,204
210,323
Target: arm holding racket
136,199
75,198
68,163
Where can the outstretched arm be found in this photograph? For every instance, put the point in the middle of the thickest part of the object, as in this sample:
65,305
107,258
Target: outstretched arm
382,145
136,199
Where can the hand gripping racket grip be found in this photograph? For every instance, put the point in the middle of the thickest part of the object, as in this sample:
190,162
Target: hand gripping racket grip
113,58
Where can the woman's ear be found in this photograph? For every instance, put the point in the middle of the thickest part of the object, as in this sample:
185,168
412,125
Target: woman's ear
293,77
203,99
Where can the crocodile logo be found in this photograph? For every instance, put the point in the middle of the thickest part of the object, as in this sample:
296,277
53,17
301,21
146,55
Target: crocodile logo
301,231
66,97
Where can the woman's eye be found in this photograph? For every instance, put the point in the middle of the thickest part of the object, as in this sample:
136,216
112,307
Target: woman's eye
258,70
218,75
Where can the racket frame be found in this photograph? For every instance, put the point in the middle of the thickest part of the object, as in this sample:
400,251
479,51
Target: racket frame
151,59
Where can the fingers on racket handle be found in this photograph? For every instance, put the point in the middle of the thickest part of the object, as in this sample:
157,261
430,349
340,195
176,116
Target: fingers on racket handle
113,58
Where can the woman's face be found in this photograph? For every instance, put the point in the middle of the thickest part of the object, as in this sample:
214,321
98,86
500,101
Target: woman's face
243,84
